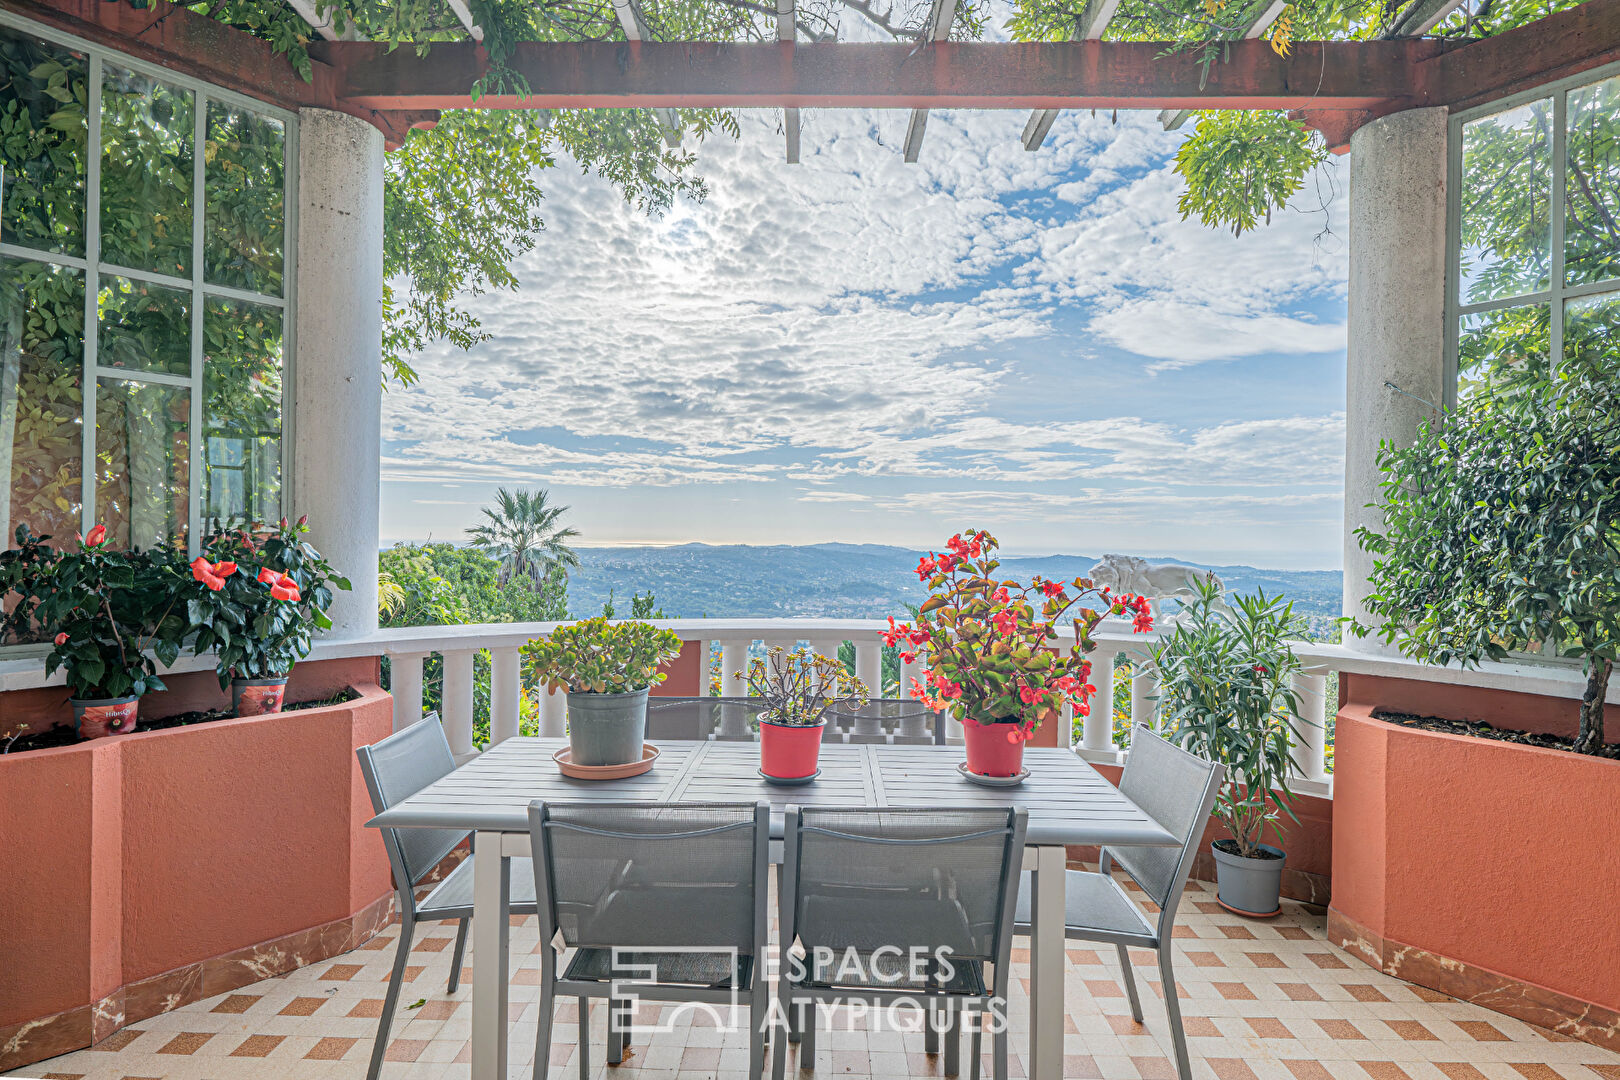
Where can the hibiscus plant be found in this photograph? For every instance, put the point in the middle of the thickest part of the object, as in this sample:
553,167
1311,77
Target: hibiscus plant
797,687
114,612
596,656
991,645
259,593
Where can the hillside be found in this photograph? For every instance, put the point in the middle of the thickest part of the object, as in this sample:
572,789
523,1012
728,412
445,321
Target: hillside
844,580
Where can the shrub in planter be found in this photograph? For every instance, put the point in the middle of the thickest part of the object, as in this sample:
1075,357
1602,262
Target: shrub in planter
1502,529
257,595
606,668
1227,695
991,647
113,616
797,689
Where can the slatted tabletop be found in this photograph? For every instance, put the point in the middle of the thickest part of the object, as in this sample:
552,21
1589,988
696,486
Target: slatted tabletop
1067,800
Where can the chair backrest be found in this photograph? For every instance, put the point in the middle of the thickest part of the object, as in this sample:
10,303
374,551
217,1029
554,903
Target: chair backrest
678,875
397,768
910,878
1177,789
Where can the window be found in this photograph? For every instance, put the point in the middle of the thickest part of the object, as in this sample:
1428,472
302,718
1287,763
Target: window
1535,231
142,295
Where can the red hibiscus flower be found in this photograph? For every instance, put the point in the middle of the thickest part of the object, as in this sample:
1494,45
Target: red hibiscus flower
208,573
61,639
97,537
268,576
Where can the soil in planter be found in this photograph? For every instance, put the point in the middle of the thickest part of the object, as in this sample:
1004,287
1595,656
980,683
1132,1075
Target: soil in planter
63,736
1231,848
1481,730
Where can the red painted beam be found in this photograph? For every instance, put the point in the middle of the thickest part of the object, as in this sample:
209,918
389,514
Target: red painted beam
1072,75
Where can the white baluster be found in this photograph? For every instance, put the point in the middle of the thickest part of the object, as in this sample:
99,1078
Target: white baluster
1309,751
703,666
553,711
733,662
1144,693
1098,728
456,701
869,669
1068,725
405,681
504,694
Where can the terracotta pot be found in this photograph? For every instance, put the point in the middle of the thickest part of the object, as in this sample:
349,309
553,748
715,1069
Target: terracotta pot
789,751
256,697
100,717
989,753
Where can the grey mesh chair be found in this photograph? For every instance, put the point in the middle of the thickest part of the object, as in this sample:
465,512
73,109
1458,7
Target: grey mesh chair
670,897
928,879
395,768
1176,789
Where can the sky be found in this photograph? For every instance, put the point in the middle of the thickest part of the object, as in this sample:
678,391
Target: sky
859,350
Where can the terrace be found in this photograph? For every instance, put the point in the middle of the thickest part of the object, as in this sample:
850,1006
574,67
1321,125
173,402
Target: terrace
208,901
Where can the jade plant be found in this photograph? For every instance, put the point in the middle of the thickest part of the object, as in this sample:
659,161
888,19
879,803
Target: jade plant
1501,529
797,687
597,656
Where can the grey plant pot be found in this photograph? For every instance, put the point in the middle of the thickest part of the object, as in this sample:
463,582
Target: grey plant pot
1250,886
607,729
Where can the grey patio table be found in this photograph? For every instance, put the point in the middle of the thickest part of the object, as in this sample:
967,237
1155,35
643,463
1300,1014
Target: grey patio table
1067,800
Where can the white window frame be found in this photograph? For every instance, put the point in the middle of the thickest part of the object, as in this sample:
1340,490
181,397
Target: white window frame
91,266
1557,292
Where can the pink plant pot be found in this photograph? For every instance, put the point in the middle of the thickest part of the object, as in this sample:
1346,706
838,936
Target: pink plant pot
789,751
989,752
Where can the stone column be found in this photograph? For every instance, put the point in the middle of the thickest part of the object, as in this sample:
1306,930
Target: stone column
337,374
1397,312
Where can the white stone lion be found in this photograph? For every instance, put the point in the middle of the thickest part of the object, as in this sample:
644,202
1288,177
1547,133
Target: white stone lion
1156,581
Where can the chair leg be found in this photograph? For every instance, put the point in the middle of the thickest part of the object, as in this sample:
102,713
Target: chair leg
807,1038
584,1039
459,954
930,1030
407,931
1172,1006
542,1034
953,1040
998,1061
756,1033
615,1040
976,1045
782,1037
1130,982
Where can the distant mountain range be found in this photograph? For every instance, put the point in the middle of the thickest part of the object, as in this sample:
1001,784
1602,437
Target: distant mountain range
847,581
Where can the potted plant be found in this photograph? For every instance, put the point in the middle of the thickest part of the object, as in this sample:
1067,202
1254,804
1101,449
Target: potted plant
606,668
259,594
1226,678
797,689
112,617
991,650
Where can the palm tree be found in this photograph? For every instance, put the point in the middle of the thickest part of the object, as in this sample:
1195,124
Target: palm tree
522,532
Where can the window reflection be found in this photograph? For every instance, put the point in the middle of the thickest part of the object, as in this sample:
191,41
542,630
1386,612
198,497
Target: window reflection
143,462
241,410
147,130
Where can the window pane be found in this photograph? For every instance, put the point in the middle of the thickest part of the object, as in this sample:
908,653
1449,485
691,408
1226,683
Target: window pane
43,133
143,462
1506,199
41,400
1497,349
1592,329
1592,184
147,130
144,327
241,411
243,212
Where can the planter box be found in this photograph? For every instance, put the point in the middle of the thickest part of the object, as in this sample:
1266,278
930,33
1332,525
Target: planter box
143,872
1482,869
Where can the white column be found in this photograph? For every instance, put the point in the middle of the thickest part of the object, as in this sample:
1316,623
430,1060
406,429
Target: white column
504,694
869,669
336,376
703,666
405,682
1396,313
1097,730
1144,693
553,712
456,701
1309,750
733,661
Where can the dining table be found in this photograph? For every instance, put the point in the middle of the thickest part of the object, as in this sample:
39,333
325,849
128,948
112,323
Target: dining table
1067,800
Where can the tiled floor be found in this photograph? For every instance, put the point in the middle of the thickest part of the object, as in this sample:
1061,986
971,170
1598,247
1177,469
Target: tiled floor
1262,1000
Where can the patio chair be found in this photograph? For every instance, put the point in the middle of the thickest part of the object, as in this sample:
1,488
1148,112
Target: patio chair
671,898
396,768
1177,789
923,880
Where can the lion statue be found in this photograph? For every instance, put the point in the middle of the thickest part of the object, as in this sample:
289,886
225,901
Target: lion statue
1156,581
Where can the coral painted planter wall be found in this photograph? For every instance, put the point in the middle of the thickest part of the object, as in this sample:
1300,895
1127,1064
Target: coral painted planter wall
159,868
1482,869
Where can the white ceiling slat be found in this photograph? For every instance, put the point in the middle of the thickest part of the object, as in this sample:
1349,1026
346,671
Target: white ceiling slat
465,15
1174,118
1093,21
1421,17
785,31
322,25
635,29
938,28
